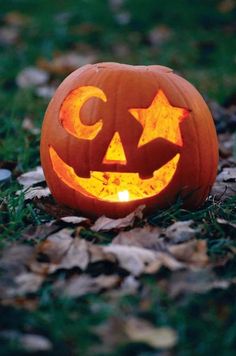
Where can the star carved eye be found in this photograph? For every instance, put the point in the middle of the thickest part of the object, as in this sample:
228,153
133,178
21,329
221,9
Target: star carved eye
70,112
160,119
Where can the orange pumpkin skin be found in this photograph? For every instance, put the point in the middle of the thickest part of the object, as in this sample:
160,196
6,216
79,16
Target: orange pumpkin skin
127,87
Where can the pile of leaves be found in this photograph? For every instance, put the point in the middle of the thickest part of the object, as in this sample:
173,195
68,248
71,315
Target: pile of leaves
74,257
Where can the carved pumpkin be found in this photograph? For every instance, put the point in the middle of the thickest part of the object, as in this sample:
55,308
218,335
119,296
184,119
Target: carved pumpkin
117,136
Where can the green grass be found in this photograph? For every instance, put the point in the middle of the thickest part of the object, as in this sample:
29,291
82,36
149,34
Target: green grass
201,47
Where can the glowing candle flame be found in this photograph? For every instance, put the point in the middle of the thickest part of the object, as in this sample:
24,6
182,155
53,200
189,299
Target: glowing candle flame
123,195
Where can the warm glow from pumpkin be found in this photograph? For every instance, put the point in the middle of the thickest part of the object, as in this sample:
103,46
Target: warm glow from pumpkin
123,195
70,112
160,119
115,152
107,185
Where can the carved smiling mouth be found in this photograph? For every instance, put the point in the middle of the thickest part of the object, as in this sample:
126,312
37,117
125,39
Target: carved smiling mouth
115,186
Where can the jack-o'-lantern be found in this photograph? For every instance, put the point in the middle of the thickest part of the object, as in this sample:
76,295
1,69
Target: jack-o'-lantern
117,136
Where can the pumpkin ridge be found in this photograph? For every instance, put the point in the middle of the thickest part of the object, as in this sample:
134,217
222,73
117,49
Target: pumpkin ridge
213,138
211,172
193,118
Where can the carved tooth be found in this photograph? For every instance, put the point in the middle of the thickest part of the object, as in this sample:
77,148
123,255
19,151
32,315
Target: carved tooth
143,176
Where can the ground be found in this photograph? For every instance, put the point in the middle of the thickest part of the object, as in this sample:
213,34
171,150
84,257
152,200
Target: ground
99,304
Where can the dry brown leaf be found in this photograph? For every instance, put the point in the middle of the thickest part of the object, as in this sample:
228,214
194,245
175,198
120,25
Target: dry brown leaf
131,258
61,251
164,259
74,219
79,285
29,342
221,190
51,251
39,232
32,77
104,224
112,333
226,143
146,237
185,282
129,285
35,343
34,192
77,255
225,222
180,231
193,253
66,63
14,258
16,279
30,178
140,330
227,175
26,283
98,254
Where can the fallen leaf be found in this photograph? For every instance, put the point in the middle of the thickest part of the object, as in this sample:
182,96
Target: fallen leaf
77,255
180,231
140,330
73,219
38,232
65,63
32,77
29,342
129,285
35,192
26,283
51,251
30,178
197,282
226,142
112,333
137,260
131,258
227,175
221,190
62,251
104,224
35,343
16,279
146,237
79,285
225,222
164,259
193,253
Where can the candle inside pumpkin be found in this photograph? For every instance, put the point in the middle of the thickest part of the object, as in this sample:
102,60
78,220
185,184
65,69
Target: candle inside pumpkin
123,195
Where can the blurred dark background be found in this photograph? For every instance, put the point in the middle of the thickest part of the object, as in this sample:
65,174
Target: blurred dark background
195,38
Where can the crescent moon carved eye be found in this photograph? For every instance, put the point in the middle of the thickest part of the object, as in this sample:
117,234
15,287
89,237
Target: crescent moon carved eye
70,112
